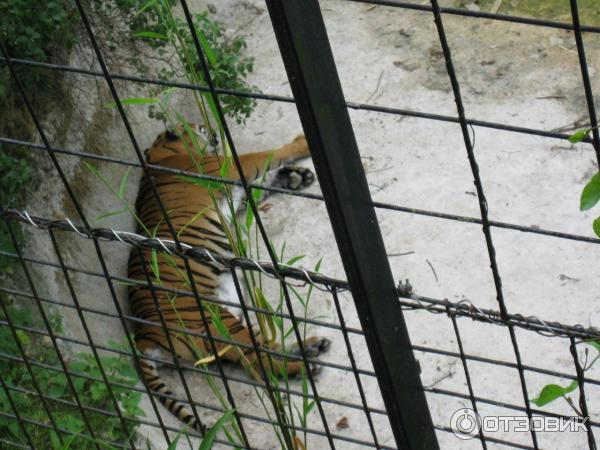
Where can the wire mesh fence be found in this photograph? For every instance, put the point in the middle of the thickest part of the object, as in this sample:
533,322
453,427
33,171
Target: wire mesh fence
384,426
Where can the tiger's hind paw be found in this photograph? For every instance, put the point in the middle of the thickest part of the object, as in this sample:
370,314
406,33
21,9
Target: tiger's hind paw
313,347
294,177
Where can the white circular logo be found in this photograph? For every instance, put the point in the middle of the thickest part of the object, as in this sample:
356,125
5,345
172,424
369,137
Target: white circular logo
465,424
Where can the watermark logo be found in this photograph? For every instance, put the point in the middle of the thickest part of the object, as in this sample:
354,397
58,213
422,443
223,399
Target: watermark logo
466,424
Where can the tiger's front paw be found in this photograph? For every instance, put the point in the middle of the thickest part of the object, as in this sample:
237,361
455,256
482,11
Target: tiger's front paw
294,177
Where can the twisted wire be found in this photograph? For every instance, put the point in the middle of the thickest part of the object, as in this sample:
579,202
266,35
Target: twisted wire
407,298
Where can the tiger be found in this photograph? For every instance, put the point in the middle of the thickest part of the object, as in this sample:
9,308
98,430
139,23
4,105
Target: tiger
197,222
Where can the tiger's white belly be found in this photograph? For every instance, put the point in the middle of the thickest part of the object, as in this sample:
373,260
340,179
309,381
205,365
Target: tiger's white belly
227,292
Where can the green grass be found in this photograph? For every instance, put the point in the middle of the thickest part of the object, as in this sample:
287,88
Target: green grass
15,176
93,394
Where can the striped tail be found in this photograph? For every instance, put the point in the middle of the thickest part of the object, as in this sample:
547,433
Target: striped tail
166,397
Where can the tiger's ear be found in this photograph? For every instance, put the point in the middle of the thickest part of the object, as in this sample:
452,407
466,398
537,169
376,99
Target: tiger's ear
157,152
171,136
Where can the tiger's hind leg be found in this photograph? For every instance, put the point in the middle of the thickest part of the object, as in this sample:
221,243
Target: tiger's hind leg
272,357
313,347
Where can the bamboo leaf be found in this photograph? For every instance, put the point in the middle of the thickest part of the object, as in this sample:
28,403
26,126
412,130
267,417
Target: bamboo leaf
211,358
282,250
249,217
208,50
304,385
23,337
113,191
217,321
200,149
192,220
299,414
152,35
207,184
148,5
294,260
123,184
165,97
175,441
318,265
288,333
134,101
257,195
263,303
92,169
207,442
154,264
110,214
224,170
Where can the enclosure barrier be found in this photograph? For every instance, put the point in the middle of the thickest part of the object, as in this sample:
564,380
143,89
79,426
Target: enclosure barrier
313,78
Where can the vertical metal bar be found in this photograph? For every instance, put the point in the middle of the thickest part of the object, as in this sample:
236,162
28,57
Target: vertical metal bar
279,412
582,401
312,73
169,337
88,334
165,215
51,334
30,372
467,375
16,411
361,391
483,205
81,214
587,85
257,217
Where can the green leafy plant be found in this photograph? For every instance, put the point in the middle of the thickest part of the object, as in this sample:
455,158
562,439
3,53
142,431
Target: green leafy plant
34,30
590,195
15,175
229,66
90,389
47,31
552,392
41,31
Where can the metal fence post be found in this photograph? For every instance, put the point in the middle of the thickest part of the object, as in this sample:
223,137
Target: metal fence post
313,77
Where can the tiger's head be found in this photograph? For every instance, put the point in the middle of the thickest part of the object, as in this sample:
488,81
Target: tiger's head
183,141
